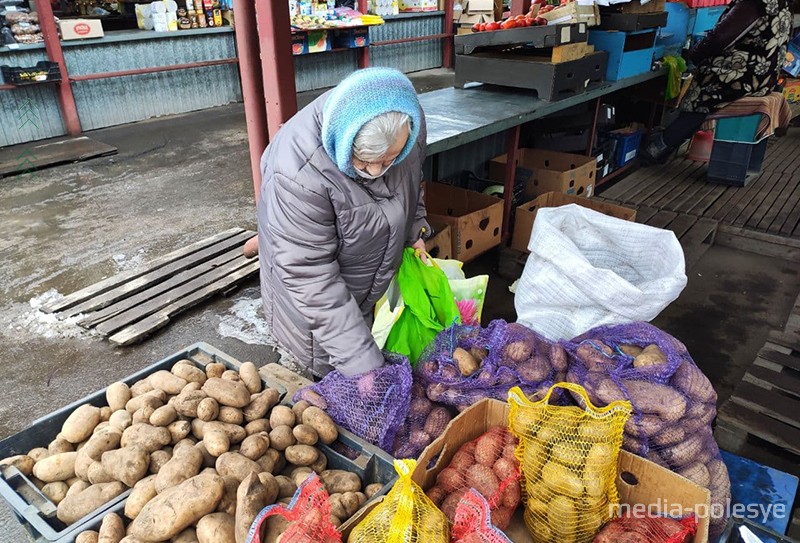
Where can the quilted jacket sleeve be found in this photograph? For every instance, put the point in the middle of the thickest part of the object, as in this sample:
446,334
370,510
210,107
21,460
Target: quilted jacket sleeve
304,239
420,153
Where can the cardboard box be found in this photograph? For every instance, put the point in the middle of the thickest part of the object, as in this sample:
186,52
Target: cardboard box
479,6
653,485
639,481
637,6
475,219
574,13
469,19
526,214
549,171
78,29
350,38
412,6
440,245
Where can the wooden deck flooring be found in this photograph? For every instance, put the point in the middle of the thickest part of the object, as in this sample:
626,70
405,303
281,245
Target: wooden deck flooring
769,204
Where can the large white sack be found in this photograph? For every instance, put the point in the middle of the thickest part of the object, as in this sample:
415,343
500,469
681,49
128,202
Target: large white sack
587,269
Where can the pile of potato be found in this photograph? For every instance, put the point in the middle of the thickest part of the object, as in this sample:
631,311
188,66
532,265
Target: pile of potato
488,465
425,422
671,425
516,356
202,450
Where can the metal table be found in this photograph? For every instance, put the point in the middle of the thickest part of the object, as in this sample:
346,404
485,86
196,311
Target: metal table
456,117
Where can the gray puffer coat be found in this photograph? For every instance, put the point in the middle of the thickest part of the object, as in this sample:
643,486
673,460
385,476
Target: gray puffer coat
329,245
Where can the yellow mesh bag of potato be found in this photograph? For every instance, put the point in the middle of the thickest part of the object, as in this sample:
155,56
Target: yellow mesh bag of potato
406,515
568,456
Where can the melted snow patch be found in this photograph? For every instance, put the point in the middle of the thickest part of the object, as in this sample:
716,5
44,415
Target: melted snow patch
246,323
31,321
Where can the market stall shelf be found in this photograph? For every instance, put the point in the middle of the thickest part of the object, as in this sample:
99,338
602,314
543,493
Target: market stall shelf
51,153
769,205
129,306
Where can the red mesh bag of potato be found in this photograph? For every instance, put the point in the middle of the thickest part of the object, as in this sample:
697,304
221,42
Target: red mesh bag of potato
473,522
466,364
488,465
673,402
307,518
647,529
425,422
372,405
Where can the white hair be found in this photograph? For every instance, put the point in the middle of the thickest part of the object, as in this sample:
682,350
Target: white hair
379,133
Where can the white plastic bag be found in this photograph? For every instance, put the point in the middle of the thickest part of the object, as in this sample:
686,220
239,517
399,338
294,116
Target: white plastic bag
588,269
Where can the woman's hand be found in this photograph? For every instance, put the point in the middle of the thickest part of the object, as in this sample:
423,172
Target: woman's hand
419,245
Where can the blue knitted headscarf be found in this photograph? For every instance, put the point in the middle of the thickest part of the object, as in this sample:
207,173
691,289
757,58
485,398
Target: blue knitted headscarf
362,96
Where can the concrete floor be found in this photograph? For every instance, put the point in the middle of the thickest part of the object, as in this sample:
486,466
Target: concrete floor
179,179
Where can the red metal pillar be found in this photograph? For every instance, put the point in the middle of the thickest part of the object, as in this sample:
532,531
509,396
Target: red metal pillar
255,110
512,146
52,44
447,44
520,7
277,62
363,53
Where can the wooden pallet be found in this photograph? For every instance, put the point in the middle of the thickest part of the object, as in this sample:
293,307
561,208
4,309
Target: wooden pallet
770,204
765,407
129,306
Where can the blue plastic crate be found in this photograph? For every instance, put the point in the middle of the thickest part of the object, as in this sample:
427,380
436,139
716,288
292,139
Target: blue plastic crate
701,20
36,512
627,146
673,36
629,53
738,129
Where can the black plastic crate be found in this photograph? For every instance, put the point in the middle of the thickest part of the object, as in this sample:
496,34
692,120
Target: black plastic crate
45,71
736,163
632,22
32,508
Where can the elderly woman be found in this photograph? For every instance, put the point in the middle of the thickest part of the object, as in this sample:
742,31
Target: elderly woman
741,56
340,199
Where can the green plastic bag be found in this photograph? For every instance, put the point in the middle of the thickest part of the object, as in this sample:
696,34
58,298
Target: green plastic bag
428,306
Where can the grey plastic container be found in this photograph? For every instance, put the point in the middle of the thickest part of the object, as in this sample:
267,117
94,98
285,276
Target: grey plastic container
32,508
371,464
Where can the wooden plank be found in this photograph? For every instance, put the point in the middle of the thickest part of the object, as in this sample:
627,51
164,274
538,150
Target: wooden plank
777,200
690,185
782,216
740,199
644,214
115,280
760,243
156,276
680,170
699,206
779,359
636,183
759,425
151,323
96,317
785,339
792,220
768,379
758,200
662,219
772,404
682,224
151,306
698,240
34,156
571,51
778,154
